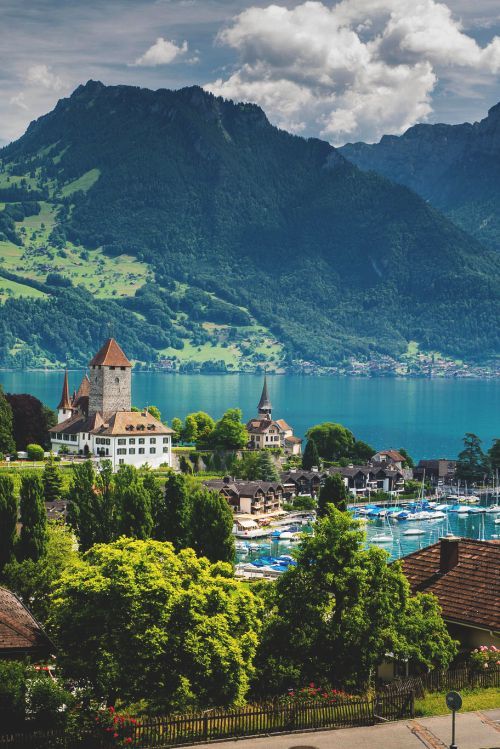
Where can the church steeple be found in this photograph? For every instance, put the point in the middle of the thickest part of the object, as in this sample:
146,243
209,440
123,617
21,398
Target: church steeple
265,408
64,407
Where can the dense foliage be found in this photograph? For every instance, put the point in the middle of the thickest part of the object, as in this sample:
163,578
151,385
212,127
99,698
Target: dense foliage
8,519
7,444
170,628
336,443
210,194
334,617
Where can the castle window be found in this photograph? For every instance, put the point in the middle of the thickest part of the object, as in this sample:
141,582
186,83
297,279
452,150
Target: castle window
142,450
73,438
165,449
122,441
111,367
121,461
131,451
117,380
121,451
123,369
141,440
152,450
152,440
165,440
131,441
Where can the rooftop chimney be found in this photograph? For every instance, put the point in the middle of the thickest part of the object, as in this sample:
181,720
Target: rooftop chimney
448,557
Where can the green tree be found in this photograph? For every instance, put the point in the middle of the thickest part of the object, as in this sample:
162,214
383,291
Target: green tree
494,456
333,441
204,428
266,469
229,432
52,480
33,537
91,507
409,462
155,412
35,452
7,444
361,452
190,429
333,491
333,618
246,467
310,457
172,515
8,519
136,620
471,461
133,504
211,529
33,581
177,427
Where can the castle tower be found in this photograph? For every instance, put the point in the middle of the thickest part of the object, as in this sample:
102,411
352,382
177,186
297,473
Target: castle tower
64,410
265,408
110,380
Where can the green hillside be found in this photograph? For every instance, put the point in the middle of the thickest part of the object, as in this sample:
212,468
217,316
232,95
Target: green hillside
193,219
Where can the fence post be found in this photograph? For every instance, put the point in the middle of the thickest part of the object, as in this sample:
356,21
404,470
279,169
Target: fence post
205,726
412,704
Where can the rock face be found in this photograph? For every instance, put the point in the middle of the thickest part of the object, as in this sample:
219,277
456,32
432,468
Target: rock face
454,167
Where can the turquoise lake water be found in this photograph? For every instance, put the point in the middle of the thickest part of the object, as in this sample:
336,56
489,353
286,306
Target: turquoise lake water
428,417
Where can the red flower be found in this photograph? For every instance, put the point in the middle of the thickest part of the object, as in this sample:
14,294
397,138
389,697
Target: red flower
128,740
111,709
115,735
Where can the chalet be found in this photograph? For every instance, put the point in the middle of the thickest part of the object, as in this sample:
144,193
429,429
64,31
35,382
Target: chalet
249,497
390,458
97,422
21,636
363,480
266,432
301,482
464,574
438,472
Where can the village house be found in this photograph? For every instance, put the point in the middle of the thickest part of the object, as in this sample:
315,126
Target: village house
464,574
266,432
390,458
21,636
249,497
438,472
97,422
367,479
297,482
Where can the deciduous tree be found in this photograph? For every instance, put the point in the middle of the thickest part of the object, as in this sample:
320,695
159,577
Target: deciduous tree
333,441
211,527
333,491
333,618
169,628
229,432
7,444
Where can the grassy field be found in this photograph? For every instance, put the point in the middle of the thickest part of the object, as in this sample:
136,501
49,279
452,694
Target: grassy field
13,289
473,699
83,183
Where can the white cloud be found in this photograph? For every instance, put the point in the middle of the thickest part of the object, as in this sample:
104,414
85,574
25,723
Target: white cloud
19,100
162,52
357,69
41,75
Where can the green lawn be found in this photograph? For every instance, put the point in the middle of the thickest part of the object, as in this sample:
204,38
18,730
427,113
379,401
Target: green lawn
13,289
473,699
83,183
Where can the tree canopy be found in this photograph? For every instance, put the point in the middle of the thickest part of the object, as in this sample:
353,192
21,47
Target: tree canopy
471,461
229,432
7,444
333,617
171,628
333,491
33,537
211,526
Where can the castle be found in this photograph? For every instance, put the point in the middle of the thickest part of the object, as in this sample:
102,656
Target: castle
97,422
264,432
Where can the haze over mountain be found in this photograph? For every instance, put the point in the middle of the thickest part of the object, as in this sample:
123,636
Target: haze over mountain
233,221
455,167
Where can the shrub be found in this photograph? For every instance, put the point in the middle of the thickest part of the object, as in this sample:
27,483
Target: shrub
485,657
35,452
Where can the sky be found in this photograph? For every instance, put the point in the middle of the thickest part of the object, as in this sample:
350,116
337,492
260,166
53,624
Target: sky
342,71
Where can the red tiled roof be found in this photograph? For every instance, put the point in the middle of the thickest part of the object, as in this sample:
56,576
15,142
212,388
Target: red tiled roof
20,633
393,454
470,591
110,355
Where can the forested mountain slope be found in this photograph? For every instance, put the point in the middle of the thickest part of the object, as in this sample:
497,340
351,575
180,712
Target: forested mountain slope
455,167
263,226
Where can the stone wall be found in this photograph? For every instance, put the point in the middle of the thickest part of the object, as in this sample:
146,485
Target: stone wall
110,389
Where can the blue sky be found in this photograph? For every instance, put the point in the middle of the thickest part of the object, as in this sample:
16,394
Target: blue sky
342,71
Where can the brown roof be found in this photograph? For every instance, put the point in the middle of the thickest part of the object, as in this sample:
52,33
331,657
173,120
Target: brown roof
110,355
293,440
470,591
65,400
20,633
84,389
132,422
260,426
284,425
392,454
114,424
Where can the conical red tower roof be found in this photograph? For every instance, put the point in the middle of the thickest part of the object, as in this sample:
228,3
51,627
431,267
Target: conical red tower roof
65,401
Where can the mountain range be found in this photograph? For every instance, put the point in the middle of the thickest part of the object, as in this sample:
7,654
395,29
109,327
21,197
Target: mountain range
454,167
191,227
